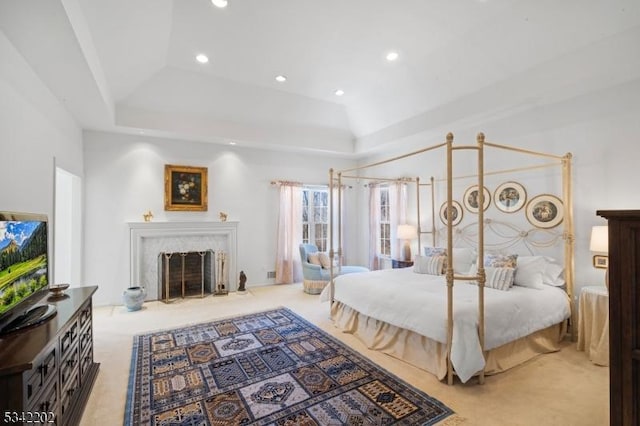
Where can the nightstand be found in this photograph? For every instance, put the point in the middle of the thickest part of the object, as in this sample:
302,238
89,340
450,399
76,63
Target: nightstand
593,324
395,263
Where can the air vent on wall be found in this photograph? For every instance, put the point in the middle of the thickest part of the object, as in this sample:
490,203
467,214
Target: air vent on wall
271,274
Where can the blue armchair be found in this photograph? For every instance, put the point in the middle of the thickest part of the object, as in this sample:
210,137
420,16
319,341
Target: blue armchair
315,276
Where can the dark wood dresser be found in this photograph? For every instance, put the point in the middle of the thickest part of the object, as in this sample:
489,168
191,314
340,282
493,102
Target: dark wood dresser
47,371
624,316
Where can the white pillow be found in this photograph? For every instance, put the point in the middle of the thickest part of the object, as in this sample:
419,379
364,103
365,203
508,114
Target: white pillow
431,265
553,273
463,258
314,258
529,272
325,261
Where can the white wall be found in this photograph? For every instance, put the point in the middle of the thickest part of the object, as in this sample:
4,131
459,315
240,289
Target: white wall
601,131
124,177
34,129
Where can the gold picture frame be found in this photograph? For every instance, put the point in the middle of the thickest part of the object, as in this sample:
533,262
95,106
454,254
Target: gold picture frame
545,211
600,261
470,199
185,188
510,197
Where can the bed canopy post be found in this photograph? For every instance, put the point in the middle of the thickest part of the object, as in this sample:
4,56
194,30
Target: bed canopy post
433,212
418,212
481,272
449,273
331,234
569,238
339,223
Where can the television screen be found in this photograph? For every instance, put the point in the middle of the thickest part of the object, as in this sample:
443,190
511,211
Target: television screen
24,270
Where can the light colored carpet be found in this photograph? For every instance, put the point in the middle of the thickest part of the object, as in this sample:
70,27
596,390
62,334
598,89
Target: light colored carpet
562,388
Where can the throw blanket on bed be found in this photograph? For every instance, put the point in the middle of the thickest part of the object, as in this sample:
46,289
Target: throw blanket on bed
418,302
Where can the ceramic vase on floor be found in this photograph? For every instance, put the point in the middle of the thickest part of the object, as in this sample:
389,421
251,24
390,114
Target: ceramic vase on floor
133,298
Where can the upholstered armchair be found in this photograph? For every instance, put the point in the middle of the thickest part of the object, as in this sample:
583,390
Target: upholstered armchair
315,276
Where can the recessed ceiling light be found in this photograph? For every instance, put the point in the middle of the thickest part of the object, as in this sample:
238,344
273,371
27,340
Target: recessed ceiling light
219,3
392,56
232,143
203,59
339,92
281,78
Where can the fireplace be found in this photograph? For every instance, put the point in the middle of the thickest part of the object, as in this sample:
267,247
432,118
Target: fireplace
149,239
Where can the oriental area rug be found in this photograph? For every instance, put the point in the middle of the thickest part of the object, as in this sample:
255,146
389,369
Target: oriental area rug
268,368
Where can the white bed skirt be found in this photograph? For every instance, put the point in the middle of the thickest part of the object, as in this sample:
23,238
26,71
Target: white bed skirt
430,355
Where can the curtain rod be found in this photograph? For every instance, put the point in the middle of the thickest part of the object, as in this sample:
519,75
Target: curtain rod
288,182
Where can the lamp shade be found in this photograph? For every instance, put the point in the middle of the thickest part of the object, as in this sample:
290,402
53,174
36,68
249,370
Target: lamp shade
407,232
599,239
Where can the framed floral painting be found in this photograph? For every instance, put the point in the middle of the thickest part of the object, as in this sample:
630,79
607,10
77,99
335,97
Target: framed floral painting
185,188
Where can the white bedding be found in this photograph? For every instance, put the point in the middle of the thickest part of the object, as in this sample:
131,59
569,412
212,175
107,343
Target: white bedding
418,302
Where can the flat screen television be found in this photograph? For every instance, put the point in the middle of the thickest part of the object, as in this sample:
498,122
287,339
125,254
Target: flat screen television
24,271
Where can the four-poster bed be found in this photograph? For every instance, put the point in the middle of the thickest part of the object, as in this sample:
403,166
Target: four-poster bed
482,329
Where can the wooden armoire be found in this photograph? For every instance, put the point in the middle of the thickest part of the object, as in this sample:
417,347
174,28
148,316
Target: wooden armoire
624,315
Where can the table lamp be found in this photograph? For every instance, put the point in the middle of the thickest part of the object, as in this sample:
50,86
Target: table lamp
406,233
600,244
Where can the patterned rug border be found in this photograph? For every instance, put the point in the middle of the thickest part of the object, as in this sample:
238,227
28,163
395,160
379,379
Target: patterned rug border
449,417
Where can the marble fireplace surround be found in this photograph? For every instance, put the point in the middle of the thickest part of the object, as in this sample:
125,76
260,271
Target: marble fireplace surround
148,239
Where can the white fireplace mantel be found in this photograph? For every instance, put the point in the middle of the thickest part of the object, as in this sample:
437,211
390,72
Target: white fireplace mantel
178,236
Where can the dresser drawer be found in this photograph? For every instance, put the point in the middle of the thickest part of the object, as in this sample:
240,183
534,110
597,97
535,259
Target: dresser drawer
47,403
39,375
67,396
68,338
85,315
86,338
69,366
86,361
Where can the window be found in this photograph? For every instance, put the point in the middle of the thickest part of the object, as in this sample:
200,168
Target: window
384,247
315,216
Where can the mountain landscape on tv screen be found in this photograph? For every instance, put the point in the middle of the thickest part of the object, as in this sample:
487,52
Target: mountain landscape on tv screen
23,261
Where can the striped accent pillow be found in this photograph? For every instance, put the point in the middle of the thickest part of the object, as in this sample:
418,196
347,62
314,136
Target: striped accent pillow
431,265
499,278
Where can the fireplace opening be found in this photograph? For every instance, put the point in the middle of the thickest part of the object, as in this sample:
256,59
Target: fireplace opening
185,274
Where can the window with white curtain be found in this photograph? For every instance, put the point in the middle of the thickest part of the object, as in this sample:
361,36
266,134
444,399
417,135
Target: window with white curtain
384,242
315,216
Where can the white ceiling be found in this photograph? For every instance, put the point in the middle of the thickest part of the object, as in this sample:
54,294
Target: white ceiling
128,66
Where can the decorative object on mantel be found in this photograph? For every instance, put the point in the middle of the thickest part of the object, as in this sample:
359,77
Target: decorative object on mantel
223,217
241,283
147,216
185,188
133,298
221,273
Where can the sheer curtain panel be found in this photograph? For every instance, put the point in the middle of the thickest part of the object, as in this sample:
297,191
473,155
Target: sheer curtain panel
289,236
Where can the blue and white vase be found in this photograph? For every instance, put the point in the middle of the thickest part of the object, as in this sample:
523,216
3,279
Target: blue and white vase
133,298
